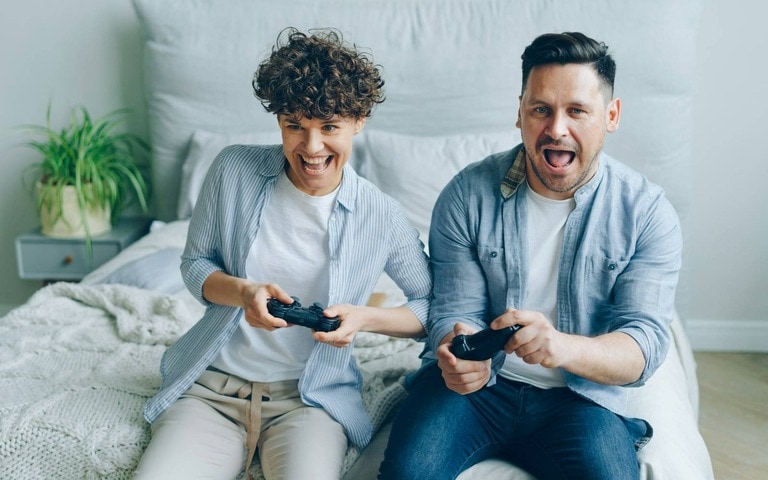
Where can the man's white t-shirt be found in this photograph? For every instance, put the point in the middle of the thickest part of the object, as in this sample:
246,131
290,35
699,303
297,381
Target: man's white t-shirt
545,228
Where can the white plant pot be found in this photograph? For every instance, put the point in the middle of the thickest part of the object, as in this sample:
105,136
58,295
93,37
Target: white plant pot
70,224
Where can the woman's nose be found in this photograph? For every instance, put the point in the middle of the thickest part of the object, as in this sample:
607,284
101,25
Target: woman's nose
313,141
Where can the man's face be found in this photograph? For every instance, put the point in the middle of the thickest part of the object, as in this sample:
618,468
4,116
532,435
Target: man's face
563,117
317,150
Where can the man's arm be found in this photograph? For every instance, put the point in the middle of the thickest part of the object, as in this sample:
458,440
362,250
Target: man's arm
613,358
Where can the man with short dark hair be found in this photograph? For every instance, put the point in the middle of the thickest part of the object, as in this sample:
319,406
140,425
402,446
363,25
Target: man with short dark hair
574,248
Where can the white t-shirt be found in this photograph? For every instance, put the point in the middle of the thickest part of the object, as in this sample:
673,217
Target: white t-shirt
545,227
291,250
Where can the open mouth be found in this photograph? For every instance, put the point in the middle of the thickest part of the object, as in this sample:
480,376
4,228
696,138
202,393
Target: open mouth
559,158
316,164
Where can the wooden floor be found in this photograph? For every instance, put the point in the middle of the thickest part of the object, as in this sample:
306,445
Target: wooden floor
733,413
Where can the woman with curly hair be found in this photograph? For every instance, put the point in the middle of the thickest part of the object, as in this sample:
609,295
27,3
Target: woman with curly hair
273,222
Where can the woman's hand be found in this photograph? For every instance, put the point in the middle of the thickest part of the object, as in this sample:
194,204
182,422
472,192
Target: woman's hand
252,297
393,321
353,319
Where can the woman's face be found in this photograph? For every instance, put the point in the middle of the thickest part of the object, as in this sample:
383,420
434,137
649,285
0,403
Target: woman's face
317,150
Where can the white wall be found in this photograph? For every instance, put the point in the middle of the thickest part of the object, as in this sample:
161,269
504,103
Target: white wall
729,305
88,52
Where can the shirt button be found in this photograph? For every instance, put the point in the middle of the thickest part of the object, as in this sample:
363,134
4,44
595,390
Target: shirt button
494,254
612,266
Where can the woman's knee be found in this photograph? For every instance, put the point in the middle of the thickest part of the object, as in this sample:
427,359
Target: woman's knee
193,440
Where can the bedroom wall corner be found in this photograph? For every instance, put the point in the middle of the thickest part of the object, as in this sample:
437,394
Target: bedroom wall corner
68,53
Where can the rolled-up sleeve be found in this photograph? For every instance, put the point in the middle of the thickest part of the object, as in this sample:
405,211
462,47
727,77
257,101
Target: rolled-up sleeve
459,291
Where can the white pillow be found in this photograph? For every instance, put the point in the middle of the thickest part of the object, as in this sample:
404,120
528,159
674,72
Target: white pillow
414,169
159,271
203,148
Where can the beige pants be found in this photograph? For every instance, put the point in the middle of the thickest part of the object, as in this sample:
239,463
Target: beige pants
204,434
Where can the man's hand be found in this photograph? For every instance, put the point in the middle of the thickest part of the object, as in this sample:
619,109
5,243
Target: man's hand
538,342
461,376
613,358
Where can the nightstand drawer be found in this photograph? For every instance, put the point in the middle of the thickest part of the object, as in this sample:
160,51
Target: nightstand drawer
47,258
61,260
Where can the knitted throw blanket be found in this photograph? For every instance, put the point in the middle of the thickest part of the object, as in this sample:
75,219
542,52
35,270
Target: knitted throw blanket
77,363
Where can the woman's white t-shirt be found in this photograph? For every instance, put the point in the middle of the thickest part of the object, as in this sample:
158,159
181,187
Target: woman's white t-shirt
291,250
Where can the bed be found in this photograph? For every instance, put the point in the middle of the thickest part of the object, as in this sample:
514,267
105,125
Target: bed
78,361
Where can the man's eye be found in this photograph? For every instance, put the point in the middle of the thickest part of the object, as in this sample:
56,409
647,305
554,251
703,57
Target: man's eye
329,128
293,126
541,110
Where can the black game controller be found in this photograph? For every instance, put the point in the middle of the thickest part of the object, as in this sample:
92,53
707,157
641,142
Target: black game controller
311,317
483,344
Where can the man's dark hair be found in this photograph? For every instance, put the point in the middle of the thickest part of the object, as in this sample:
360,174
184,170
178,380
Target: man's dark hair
570,47
318,76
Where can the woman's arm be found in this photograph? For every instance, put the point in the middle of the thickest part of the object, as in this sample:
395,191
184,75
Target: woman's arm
396,322
252,297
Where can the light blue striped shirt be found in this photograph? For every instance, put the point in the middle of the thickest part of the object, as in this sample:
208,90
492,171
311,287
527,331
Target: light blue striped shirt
368,234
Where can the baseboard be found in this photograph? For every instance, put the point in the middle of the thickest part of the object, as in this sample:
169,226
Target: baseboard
728,335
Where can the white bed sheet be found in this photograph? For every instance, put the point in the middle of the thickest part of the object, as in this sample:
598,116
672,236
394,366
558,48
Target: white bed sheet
669,400
78,362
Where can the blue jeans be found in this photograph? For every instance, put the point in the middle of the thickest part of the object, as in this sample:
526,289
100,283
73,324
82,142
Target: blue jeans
552,434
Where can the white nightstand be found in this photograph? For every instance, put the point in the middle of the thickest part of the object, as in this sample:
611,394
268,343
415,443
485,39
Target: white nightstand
40,257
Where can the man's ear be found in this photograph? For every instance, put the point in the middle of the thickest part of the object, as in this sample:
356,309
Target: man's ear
614,115
520,102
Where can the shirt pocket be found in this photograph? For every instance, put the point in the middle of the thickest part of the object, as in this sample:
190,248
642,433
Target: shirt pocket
602,274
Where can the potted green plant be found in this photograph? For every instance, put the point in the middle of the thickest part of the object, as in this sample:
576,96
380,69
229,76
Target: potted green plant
87,174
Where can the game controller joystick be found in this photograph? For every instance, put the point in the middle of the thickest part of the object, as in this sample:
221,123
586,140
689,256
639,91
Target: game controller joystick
311,317
483,344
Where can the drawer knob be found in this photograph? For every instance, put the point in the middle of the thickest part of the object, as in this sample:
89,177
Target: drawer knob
68,260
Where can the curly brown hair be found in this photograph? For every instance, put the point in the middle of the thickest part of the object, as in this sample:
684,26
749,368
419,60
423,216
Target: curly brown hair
318,76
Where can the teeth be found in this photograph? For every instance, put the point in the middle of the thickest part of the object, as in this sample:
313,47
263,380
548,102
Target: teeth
314,160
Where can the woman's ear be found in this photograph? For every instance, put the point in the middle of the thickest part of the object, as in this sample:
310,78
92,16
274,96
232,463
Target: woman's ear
359,124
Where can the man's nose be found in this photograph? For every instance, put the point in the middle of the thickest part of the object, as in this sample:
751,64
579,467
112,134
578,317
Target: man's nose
558,125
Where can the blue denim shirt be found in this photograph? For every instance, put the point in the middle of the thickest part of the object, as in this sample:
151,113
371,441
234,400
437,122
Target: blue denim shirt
368,234
618,267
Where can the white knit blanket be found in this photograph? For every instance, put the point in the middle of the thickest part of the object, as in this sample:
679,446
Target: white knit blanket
77,363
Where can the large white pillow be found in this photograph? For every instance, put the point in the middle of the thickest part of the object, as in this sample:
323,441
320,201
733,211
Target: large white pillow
203,148
414,169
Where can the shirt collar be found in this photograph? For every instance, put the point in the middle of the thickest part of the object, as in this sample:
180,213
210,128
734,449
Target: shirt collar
347,191
515,175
